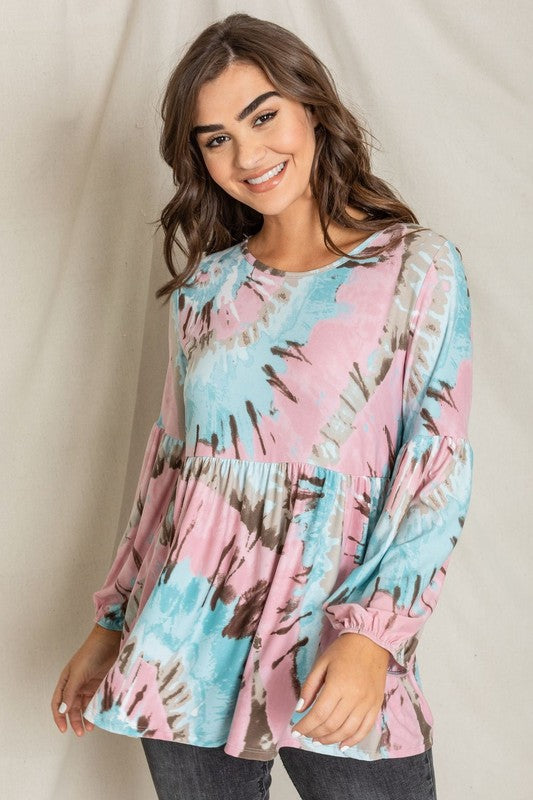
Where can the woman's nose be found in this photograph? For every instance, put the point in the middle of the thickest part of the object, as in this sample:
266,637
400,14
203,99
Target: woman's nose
249,156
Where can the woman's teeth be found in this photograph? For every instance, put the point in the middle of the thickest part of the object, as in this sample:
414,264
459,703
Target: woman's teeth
267,175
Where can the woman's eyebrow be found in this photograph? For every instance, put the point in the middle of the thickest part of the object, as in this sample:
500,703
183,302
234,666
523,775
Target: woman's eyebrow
249,109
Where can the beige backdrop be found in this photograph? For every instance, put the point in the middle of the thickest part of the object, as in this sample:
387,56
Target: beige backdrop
443,85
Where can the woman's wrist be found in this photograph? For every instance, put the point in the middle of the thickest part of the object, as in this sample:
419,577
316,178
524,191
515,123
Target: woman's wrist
105,634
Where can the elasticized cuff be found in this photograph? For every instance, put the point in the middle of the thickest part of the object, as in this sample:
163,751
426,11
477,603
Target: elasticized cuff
394,632
110,617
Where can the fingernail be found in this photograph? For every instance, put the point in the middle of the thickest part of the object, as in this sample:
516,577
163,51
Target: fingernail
344,747
300,704
62,707
296,734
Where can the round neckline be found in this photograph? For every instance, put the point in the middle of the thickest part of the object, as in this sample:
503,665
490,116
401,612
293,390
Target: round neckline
261,265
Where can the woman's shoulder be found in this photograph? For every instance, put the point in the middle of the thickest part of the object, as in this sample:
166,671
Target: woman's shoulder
212,271
430,249
423,239
430,260
219,257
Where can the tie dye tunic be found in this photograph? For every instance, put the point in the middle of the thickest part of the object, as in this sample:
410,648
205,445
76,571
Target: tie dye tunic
308,476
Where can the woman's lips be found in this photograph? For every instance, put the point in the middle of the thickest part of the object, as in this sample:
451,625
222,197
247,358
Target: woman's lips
270,184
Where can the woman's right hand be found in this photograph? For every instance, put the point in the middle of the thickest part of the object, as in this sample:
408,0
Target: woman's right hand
81,677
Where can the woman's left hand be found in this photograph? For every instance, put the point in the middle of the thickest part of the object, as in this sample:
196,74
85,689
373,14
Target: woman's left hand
352,673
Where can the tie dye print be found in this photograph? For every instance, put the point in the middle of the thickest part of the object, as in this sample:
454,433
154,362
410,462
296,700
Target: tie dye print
308,476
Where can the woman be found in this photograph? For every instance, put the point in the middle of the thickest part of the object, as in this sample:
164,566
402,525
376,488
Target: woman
309,473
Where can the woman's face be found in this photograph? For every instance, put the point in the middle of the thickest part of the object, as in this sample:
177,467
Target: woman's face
244,142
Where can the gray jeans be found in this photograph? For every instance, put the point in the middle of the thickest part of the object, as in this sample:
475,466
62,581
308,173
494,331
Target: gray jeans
187,772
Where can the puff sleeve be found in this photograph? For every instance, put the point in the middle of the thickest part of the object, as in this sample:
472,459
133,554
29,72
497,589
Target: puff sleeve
392,592
147,531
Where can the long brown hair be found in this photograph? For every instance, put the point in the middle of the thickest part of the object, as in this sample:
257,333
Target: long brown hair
209,218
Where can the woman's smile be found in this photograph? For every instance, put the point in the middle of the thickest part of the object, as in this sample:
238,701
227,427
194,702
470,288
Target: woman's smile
267,180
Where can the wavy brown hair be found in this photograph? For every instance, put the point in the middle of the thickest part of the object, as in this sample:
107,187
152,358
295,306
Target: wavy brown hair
341,175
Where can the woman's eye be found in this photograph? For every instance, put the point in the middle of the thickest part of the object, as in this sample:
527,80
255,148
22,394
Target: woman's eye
268,115
210,142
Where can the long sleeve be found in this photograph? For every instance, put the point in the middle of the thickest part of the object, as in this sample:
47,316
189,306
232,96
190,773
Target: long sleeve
392,592
157,481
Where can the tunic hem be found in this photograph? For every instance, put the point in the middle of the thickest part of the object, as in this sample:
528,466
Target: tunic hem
251,752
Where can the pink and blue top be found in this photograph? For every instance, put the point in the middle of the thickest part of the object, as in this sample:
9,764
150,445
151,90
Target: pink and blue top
308,476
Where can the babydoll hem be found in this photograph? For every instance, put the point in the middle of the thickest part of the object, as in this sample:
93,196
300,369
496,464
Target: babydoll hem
251,752
413,752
